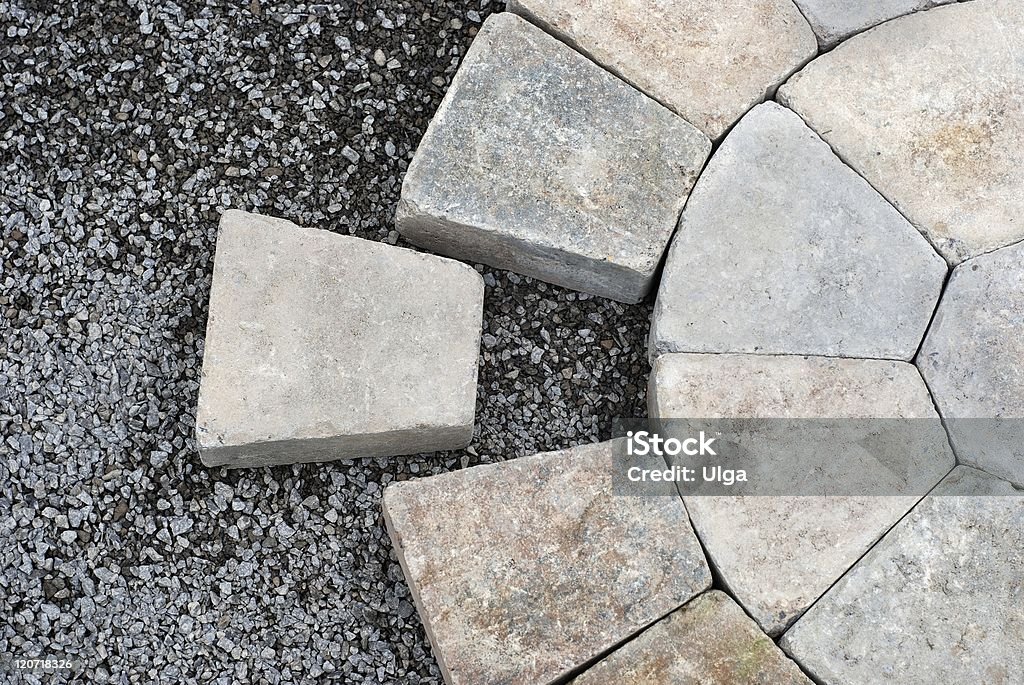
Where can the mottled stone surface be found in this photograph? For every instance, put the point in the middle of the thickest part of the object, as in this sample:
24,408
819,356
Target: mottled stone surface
783,249
539,161
777,555
525,570
710,641
835,20
930,109
321,346
708,60
939,600
973,361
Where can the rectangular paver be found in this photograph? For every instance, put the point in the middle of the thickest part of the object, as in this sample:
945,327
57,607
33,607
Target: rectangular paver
322,346
540,162
526,570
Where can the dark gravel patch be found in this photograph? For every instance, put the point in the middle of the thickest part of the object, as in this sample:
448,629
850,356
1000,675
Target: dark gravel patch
126,127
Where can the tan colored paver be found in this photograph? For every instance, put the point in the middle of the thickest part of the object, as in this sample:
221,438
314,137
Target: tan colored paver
525,570
930,109
777,555
708,60
710,641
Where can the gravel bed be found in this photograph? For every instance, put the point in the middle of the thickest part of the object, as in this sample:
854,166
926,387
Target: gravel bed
126,127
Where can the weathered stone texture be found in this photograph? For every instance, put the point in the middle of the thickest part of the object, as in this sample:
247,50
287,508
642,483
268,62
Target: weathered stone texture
710,641
835,20
321,346
973,361
525,570
777,555
939,600
540,162
708,60
930,109
783,249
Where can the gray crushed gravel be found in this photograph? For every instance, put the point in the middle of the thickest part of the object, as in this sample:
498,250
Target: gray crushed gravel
126,127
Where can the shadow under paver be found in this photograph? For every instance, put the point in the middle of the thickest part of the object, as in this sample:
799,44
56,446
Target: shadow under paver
708,60
939,600
710,641
973,362
525,570
834,21
778,554
321,346
540,162
783,249
930,109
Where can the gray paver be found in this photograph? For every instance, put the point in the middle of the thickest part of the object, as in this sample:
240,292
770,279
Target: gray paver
540,162
321,346
939,600
782,249
972,362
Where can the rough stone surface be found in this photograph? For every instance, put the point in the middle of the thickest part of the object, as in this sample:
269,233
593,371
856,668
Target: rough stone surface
777,555
108,219
836,20
710,641
939,600
321,346
783,249
972,361
930,109
539,161
526,570
708,60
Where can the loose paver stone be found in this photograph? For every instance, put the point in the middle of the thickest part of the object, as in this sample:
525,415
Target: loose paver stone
541,162
525,570
783,249
777,555
708,60
939,600
710,641
973,361
836,20
321,346
930,109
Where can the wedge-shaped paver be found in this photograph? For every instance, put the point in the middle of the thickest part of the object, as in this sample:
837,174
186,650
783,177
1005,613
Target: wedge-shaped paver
973,361
321,346
708,60
526,570
710,641
939,600
541,162
930,109
783,249
777,555
834,21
